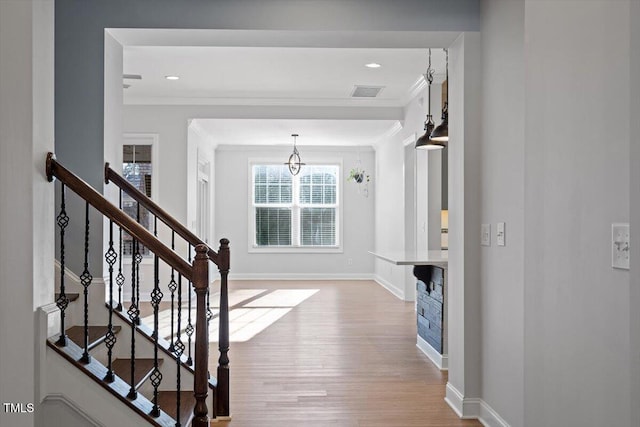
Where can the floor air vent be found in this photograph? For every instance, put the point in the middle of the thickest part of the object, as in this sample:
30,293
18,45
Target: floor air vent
366,91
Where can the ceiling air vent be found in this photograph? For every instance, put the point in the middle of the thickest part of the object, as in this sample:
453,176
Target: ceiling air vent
366,91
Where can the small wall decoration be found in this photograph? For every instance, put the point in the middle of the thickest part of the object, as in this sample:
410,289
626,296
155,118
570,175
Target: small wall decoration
360,177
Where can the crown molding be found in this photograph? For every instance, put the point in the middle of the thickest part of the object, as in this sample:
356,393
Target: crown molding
271,102
393,130
202,133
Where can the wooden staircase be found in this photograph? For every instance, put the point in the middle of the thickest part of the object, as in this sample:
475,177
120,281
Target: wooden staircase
154,376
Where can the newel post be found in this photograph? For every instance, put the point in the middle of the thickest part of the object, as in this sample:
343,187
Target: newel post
222,391
200,389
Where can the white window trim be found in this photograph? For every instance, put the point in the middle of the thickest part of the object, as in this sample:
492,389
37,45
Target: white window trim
253,248
151,139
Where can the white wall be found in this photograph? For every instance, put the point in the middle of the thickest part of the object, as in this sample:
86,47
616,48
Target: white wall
232,216
634,151
464,318
576,348
408,195
26,243
502,189
389,216
200,147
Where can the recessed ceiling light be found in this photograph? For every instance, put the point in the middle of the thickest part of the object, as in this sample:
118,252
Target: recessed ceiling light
373,65
172,77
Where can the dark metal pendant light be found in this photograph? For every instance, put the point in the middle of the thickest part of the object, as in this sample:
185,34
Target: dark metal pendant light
440,135
424,142
294,163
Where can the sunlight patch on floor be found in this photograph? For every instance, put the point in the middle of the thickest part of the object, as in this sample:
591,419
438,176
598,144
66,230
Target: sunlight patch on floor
250,312
283,298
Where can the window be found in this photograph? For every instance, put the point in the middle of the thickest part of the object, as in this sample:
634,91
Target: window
137,170
295,211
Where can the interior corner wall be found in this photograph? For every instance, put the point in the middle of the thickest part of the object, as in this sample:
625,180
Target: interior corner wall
634,156
389,212
502,189
26,223
576,305
232,208
200,147
464,320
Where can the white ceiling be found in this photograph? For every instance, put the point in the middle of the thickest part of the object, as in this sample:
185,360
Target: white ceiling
280,69
312,132
277,75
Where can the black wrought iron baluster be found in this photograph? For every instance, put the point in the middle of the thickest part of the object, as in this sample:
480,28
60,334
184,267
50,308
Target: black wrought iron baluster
110,340
189,329
85,281
120,277
134,315
156,298
137,267
62,301
179,349
172,287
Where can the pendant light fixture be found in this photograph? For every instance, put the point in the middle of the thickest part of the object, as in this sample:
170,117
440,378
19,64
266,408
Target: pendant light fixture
425,142
441,133
294,162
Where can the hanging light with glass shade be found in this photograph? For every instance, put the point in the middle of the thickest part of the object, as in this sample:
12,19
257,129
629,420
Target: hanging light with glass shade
294,163
440,134
424,141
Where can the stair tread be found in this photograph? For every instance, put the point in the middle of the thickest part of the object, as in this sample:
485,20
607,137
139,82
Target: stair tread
72,297
96,334
147,332
144,368
167,401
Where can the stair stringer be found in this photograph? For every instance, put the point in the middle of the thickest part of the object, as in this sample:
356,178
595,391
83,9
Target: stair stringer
95,402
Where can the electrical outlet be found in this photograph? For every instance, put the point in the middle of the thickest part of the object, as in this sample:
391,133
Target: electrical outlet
500,234
485,234
620,248
349,261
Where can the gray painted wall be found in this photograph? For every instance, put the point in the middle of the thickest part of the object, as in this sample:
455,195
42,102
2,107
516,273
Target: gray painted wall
502,188
634,151
576,184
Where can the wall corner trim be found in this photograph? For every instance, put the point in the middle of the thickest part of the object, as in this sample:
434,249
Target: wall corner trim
440,360
473,408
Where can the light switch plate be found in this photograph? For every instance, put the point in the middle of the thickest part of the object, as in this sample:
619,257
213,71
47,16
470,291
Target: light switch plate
500,235
485,234
620,245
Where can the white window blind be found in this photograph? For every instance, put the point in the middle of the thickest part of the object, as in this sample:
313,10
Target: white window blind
295,211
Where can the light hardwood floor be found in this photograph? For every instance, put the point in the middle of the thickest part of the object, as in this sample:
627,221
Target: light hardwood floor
344,356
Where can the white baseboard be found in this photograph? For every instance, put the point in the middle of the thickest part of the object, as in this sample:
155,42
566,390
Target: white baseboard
300,276
490,418
473,408
440,360
399,293
454,399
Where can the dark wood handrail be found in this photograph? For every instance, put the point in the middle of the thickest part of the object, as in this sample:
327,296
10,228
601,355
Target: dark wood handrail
112,176
95,199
